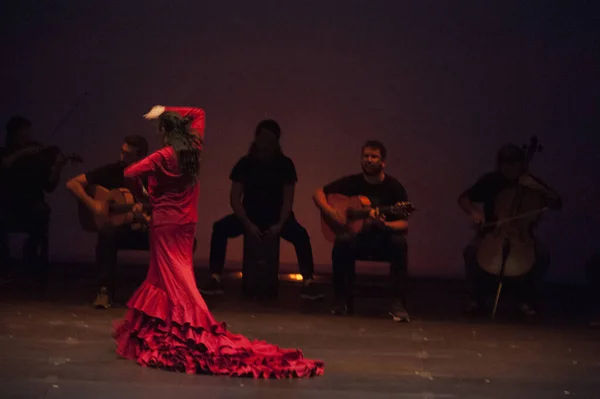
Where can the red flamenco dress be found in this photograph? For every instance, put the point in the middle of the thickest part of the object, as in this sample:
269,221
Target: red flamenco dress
168,324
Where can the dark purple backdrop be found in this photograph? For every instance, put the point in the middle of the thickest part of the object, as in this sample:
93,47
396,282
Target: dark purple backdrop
443,84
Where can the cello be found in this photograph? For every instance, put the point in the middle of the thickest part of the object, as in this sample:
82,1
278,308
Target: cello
507,248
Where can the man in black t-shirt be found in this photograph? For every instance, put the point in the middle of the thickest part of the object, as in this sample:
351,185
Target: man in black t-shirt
381,239
110,240
511,172
262,197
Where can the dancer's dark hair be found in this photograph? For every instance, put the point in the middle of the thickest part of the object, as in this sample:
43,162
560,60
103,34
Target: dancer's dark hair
184,142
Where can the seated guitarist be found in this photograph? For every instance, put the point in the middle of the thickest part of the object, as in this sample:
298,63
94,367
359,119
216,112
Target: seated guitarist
133,149
511,170
383,238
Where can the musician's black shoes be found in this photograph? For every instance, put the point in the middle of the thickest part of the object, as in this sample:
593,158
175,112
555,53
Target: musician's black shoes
310,291
5,279
213,287
399,313
102,299
527,310
475,309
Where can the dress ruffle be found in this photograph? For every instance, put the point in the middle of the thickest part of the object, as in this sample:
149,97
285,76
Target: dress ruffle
157,333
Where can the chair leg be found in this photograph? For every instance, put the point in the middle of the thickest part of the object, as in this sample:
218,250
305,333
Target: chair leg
497,300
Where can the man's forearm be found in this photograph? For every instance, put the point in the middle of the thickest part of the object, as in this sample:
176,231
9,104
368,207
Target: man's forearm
552,197
466,205
535,184
240,212
78,190
12,158
54,178
398,225
320,201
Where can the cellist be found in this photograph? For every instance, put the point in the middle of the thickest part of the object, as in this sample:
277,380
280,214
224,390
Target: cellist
511,171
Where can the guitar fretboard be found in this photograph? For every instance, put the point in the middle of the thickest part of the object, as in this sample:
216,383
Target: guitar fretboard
403,209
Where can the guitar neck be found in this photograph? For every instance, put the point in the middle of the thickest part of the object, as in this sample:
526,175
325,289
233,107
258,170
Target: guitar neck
364,213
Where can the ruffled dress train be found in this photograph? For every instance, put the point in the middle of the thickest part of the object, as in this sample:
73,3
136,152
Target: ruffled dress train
169,326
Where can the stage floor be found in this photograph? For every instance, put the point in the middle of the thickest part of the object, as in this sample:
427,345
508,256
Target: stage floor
53,345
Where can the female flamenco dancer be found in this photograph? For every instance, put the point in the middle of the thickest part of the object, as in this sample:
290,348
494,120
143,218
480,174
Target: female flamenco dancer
168,324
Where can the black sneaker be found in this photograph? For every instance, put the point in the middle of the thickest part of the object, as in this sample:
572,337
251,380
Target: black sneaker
5,279
311,292
399,313
475,309
527,310
213,287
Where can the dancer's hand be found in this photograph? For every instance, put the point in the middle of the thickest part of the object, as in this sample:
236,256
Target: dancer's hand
254,231
155,112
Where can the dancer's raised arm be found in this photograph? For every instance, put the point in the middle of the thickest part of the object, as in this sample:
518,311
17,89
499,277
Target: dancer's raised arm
196,115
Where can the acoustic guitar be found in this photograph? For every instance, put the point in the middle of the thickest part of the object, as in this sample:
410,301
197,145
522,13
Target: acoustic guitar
118,205
357,210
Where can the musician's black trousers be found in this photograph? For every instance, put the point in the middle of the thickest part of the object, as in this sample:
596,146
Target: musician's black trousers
231,226
32,219
481,284
385,246
110,241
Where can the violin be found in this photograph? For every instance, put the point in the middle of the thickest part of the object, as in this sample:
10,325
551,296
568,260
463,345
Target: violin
509,249
49,154
46,156
34,168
